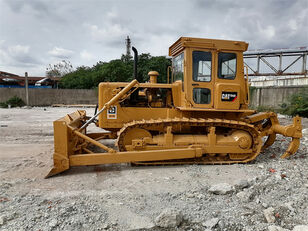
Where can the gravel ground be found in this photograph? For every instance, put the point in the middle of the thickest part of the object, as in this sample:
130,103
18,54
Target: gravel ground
267,194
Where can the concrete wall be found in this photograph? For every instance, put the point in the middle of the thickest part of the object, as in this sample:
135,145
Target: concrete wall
260,96
273,96
43,97
290,80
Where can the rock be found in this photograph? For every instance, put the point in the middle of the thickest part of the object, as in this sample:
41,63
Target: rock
276,228
253,180
269,215
264,205
305,132
289,206
190,195
26,107
210,223
200,196
221,224
105,226
244,196
300,228
2,220
241,184
53,223
221,189
169,218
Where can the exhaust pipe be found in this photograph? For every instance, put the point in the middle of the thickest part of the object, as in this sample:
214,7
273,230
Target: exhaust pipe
135,64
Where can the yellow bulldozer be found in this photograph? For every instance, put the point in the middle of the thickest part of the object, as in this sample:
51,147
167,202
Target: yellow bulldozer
200,116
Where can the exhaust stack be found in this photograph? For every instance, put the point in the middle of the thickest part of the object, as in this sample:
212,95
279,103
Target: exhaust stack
135,64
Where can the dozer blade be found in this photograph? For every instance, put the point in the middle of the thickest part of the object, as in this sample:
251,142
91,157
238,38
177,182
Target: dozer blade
64,140
61,163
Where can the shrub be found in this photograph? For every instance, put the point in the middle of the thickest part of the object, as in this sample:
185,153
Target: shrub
14,102
297,104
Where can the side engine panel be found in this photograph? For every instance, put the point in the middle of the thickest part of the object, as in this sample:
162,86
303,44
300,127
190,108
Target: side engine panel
146,102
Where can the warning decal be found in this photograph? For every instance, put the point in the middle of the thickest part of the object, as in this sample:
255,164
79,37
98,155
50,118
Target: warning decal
112,112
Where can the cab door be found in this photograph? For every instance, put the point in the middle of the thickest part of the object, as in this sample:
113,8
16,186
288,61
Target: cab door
229,80
200,81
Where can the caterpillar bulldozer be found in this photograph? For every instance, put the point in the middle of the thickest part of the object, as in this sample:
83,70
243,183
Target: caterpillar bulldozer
200,116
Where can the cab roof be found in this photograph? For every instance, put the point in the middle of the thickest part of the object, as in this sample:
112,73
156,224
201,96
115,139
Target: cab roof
214,44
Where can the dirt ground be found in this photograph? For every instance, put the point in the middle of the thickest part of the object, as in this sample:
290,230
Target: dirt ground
122,197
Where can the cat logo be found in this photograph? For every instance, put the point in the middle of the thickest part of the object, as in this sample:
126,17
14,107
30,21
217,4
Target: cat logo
112,113
228,96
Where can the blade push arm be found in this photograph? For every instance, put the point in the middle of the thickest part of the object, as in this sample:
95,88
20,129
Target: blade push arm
112,101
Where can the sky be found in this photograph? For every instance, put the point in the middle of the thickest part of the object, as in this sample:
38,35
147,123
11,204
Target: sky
36,33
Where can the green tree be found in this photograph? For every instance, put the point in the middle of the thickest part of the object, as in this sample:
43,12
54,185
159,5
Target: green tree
148,63
81,78
160,64
118,70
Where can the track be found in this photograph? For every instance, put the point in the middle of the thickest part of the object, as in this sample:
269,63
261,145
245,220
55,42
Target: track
155,126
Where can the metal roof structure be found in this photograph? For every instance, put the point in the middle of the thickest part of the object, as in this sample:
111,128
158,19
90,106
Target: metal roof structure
6,77
283,55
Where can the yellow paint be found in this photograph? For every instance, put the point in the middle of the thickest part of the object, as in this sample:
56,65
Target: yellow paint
200,116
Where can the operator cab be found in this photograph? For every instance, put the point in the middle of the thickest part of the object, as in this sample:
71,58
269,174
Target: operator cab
211,73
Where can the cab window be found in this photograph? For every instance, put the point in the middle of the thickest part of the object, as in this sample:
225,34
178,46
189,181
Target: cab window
178,67
202,95
202,66
226,65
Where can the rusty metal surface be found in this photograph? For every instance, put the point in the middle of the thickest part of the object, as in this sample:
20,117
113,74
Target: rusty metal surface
21,79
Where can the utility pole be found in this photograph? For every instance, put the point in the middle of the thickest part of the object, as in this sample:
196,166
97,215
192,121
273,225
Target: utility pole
128,46
27,88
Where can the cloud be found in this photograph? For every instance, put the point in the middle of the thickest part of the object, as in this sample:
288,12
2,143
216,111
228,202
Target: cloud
87,31
17,55
59,52
264,24
268,32
38,7
18,50
112,31
86,55
3,53
109,34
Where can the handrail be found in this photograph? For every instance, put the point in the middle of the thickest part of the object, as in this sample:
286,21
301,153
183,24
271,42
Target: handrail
247,84
168,74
